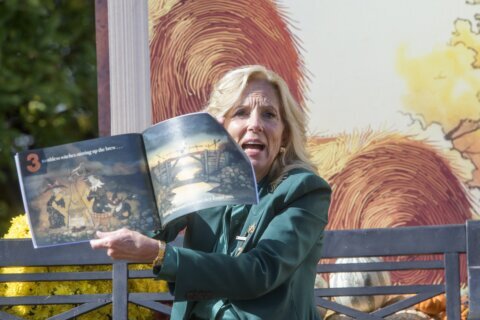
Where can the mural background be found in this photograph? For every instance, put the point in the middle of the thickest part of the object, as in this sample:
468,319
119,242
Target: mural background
393,91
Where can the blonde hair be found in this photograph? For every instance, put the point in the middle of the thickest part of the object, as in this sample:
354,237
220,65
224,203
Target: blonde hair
226,95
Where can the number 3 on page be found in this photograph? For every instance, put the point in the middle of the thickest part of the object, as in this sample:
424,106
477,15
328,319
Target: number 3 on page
34,162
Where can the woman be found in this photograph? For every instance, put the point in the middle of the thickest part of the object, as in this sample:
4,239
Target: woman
246,262
55,218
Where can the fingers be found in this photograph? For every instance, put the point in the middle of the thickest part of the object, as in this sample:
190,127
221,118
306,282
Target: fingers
108,240
126,245
112,246
102,243
101,234
96,243
118,232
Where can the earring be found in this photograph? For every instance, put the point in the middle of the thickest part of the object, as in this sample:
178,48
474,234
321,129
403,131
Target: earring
282,150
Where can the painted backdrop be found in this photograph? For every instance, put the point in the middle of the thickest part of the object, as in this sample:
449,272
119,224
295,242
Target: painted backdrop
393,91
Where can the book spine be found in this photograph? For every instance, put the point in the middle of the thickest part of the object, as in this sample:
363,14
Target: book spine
24,196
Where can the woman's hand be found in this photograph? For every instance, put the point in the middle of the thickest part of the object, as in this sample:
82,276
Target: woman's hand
125,244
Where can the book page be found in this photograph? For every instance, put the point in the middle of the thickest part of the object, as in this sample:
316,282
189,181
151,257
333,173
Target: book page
73,190
194,164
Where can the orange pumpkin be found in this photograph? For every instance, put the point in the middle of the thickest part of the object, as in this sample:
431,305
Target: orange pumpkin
433,306
463,314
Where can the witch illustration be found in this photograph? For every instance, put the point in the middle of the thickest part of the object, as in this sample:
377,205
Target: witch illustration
79,217
55,218
120,206
98,194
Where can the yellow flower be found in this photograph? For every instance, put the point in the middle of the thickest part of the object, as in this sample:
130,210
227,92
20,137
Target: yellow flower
19,229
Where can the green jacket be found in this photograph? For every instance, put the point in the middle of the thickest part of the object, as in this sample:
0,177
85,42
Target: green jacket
271,272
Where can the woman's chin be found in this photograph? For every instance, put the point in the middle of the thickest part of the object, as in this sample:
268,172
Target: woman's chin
260,171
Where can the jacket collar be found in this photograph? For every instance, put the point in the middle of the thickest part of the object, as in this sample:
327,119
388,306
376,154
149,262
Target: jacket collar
250,226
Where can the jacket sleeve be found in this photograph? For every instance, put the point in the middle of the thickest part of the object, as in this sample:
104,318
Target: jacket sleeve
301,204
170,232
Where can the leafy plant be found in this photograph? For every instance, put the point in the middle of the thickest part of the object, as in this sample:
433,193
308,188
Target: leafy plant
47,83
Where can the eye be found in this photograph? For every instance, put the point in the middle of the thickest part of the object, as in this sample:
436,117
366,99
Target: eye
269,114
240,113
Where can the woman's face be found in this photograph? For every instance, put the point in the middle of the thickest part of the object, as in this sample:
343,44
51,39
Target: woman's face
257,126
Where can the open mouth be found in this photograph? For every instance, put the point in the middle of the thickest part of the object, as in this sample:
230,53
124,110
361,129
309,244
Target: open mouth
253,146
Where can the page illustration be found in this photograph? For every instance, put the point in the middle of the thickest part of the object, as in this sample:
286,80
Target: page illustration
195,164
73,190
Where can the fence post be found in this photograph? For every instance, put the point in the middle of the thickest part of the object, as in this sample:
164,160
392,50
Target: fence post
473,263
452,283
120,291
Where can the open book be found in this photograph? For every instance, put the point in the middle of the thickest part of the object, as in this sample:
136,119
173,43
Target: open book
139,181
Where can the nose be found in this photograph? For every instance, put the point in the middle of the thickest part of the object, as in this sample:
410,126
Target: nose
255,122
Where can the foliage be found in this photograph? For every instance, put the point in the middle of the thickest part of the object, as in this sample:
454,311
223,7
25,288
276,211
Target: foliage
19,229
47,82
